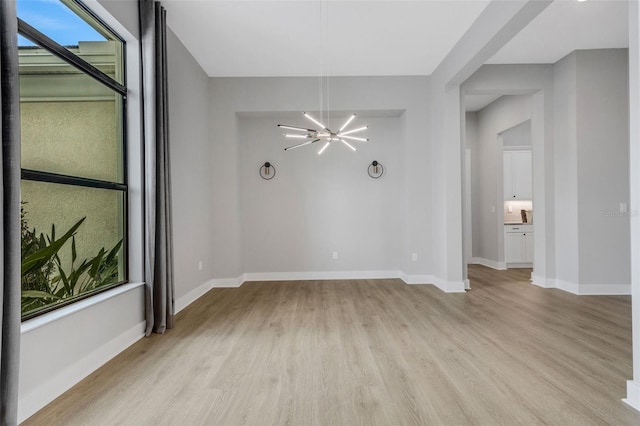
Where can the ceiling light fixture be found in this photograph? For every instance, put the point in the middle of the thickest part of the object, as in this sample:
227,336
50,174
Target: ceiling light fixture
323,134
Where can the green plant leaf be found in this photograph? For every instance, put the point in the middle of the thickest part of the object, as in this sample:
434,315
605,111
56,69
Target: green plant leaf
74,254
41,257
35,294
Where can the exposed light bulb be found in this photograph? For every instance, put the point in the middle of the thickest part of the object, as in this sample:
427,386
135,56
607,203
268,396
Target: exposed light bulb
315,121
349,120
353,131
290,136
355,138
323,148
348,144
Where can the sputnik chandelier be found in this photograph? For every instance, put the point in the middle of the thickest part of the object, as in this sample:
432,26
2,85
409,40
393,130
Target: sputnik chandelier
324,134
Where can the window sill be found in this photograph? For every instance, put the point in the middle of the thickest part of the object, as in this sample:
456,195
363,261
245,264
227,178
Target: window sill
63,312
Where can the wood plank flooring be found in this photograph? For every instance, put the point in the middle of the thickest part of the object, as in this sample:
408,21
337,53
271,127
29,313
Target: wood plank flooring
371,352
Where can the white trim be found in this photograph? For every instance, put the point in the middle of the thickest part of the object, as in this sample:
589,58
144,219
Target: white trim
542,281
228,282
467,284
193,295
633,394
500,266
449,286
202,289
605,289
325,275
71,309
519,265
594,289
417,279
65,379
567,286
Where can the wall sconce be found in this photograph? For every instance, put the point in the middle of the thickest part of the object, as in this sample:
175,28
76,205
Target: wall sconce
375,169
267,171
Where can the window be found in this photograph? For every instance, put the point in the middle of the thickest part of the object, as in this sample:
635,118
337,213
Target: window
74,180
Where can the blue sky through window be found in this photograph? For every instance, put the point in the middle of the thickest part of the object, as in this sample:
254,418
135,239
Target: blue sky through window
57,21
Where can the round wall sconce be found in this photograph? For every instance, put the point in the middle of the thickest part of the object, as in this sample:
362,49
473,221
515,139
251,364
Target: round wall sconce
375,169
267,171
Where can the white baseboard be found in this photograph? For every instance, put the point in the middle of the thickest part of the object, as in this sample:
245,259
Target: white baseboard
500,266
583,289
604,289
199,291
327,275
416,279
518,265
449,286
633,394
542,281
446,286
67,378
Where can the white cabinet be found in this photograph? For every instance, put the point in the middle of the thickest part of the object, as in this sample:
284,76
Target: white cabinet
517,176
518,245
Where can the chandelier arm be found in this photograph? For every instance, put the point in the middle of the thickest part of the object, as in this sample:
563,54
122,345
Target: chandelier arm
348,144
301,144
294,136
322,126
353,131
347,122
300,129
325,146
354,138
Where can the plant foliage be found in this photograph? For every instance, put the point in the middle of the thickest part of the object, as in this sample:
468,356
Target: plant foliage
45,281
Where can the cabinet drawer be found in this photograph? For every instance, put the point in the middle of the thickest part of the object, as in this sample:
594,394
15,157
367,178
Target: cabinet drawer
518,228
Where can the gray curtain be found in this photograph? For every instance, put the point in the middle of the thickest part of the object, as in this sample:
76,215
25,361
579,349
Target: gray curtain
159,303
10,200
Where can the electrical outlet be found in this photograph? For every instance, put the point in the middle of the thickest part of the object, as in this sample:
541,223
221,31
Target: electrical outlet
414,257
200,265
510,209
493,209
335,255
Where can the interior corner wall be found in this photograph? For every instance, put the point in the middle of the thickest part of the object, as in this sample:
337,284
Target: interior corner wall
471,143
488,228
566,169
602,124
191,170
591,104
317,192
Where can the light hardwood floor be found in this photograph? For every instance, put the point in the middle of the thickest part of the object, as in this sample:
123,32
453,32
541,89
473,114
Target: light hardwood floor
369,352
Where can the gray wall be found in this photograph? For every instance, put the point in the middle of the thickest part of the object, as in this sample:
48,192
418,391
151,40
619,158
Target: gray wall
517,136
602,124
393,211
320,204
591,165
566,168
192,165
536,80
503,114
580,145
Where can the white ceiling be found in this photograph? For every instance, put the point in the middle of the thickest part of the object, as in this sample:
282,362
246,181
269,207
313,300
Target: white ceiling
285,38
565,26
473,103
371,37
